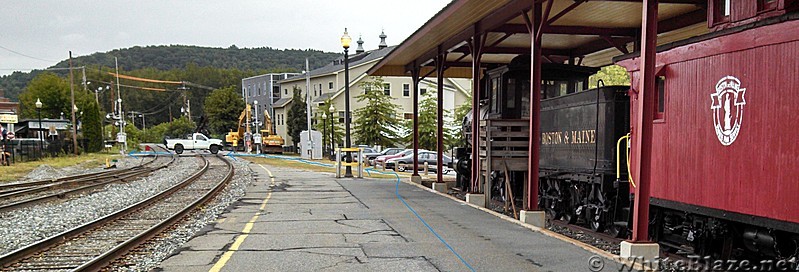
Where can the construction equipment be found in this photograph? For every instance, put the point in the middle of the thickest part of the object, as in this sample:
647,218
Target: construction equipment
270,142
236,138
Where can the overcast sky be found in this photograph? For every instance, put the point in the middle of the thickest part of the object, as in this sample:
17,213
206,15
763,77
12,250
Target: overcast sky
42,32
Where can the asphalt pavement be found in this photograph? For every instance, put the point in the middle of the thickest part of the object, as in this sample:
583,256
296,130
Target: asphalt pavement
311,221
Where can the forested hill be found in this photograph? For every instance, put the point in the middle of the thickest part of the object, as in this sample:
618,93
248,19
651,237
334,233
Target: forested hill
172,57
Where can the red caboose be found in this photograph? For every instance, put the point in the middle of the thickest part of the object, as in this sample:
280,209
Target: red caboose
724,140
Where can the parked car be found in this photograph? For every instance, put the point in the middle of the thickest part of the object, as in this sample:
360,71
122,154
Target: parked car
370,157
430,157
383,158
196,141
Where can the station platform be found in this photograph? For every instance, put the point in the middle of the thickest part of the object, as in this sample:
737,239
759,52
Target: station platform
311,221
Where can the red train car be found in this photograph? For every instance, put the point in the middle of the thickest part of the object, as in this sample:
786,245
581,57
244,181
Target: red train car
725,166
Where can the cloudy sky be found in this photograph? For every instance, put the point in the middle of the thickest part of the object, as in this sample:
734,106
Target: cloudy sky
37,34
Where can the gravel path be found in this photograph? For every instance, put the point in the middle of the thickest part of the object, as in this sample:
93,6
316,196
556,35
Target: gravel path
29,224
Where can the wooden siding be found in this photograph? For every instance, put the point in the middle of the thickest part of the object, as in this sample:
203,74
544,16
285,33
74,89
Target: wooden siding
757,173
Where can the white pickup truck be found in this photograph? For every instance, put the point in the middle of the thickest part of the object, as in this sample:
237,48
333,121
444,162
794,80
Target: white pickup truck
196,141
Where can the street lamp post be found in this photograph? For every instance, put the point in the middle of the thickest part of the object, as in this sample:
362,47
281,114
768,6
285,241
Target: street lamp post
332,110
257,145
39,113
345,42
324,132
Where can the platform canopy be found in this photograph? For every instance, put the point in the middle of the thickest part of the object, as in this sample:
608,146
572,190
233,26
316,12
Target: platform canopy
591,32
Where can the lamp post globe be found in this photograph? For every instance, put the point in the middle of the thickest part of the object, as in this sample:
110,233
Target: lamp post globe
39,114
345,42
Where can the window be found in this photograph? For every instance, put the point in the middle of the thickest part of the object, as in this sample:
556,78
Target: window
387,89
406,89
286,91
367,88
320,88
330,85
259,90
766,5
422,91
341,117
660,99
721,11
407,115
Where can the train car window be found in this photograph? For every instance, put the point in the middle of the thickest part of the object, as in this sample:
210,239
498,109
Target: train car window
511,94
660,99
494,92
721,12
766,5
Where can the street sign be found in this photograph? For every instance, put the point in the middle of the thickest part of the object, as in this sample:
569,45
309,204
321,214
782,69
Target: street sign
10,135
8,118
256,138
121,137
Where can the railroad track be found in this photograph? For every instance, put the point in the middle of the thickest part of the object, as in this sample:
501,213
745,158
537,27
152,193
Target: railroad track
18,195
96,244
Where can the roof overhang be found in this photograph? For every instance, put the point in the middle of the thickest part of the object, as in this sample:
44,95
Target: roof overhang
593,31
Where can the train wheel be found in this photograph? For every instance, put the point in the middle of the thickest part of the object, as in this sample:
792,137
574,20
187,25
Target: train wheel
596,220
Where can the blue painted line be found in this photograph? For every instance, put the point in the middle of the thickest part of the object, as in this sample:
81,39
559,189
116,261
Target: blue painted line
396,192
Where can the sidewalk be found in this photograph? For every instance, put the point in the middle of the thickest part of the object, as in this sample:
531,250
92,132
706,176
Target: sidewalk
314,222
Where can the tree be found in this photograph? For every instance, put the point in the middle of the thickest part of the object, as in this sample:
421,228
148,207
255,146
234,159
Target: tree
180,127
610,75
92,127
297,117
223,108
54,94
377,122
458,138
428,123
324,125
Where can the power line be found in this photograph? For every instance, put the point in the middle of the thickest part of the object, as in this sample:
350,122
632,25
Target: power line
27,56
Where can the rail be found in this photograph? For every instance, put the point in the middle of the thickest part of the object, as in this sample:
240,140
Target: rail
136,218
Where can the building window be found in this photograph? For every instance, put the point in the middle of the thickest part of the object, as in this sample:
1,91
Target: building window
259,90
330,85
286,91
341,117
367,88
660,99
422,91
407,115
387,89
320,88
406,89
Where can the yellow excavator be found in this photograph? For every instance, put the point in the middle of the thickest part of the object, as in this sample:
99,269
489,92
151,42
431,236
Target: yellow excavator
236,138
271,142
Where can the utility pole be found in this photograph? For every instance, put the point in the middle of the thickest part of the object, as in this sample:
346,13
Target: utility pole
72,98
308,104
121,113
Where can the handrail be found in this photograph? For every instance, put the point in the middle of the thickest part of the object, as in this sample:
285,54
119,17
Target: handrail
627,157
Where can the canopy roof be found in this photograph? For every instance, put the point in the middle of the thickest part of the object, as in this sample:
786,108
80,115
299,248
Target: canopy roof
596,30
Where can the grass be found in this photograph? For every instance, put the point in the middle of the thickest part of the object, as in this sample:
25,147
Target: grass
18,170
316,168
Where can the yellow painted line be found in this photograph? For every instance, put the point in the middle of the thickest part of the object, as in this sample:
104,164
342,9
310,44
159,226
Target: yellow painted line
244,232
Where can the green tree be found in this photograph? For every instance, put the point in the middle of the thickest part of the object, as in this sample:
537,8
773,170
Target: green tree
53,91
223,108
428,123
323,125
610,75
180,127
297,117
377,122
92,127
458,139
